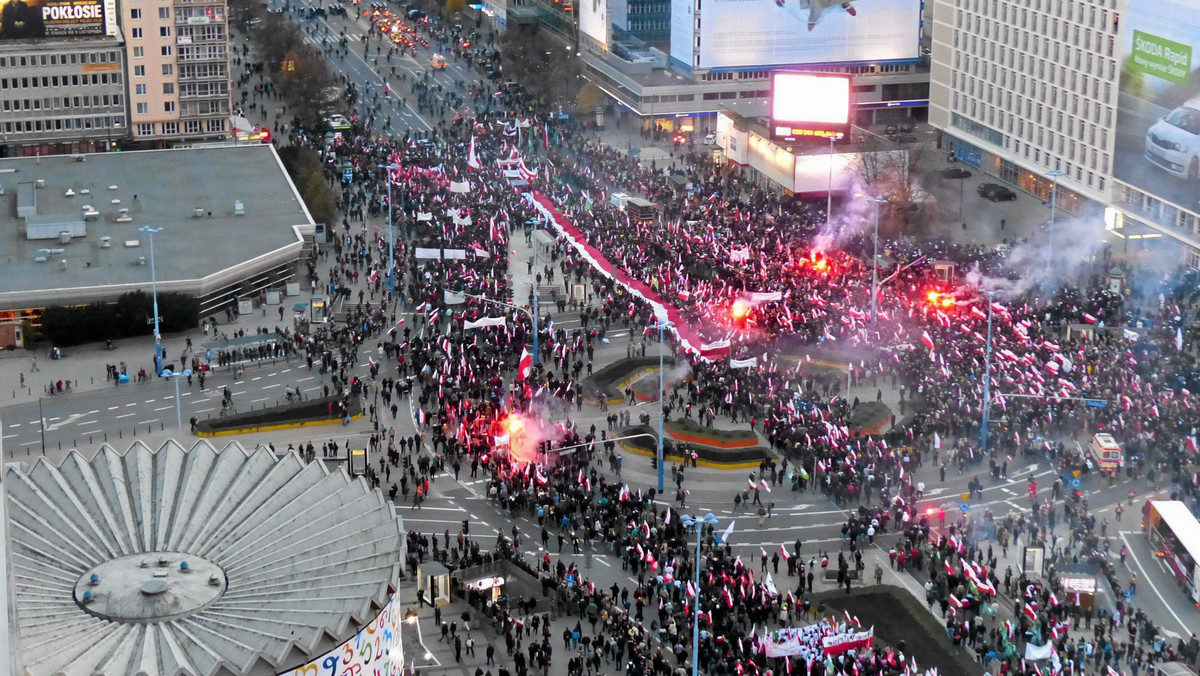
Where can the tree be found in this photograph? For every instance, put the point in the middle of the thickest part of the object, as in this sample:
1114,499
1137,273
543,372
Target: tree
890,171
455,6
304,80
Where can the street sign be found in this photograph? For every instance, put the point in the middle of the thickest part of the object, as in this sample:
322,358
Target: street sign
1075,483
966,507
1097,403
966,497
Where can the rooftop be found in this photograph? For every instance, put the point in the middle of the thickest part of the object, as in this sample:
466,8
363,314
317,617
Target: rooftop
194,194
193,562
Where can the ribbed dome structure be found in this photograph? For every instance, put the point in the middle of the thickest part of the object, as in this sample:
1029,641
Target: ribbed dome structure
193,561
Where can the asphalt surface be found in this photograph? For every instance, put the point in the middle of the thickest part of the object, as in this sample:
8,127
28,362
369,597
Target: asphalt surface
98,412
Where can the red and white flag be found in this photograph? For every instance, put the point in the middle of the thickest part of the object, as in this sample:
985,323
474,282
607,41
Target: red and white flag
927,340
472,158
525,366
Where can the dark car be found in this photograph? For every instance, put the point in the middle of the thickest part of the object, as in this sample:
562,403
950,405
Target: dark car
995,192
955,172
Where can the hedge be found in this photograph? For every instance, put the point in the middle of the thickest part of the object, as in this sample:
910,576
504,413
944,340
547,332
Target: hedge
129,316
308,412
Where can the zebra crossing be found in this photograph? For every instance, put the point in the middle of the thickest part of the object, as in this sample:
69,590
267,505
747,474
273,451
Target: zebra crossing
320,39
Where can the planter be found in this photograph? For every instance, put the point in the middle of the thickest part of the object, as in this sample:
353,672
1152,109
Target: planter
285,416
673,450
612,380
687,431
869,418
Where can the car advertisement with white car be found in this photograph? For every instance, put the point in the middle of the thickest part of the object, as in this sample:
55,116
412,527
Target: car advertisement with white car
1158,108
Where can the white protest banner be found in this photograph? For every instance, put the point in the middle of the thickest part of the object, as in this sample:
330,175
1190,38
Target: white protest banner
483,322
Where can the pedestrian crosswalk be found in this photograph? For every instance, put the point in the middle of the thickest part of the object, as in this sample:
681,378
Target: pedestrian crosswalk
320,39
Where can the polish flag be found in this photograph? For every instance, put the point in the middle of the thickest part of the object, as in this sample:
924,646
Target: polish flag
977,312
765,485
954,601
1031,610
1089,318
927,340
784,553
525,366
472,158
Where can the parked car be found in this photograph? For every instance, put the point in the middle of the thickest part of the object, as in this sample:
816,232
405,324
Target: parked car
995,192
955,173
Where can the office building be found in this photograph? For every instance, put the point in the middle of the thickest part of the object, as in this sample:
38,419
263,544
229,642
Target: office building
721,54
178,55
1026,91
62,81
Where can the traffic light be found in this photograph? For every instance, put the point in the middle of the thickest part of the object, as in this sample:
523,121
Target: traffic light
466,526
654,462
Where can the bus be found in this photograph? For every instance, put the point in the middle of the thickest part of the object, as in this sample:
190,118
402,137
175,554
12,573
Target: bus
1174,535
1106,453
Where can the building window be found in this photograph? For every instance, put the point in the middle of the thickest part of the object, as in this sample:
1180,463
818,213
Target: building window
168,69
145,130
168,106
164,31
191,127
139,71
170,128
135,14
139,52
168,87
166,50
136,33
164,12
216,125
143,108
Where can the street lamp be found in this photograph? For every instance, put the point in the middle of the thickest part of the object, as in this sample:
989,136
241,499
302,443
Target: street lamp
987,377
1053,201
829,197
875,259
662,327
168,373
391,232
698,523
154,290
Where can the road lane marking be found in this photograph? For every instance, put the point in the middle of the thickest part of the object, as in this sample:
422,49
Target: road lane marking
255,401
161,408
147,422
267,387
133,403
205,410
257,378
1146,580
125,415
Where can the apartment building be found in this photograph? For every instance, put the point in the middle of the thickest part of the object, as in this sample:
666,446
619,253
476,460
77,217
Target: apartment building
1026,91
178,55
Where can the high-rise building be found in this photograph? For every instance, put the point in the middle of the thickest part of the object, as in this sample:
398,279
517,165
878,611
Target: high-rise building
178,54
62,78
1156,161
1026,91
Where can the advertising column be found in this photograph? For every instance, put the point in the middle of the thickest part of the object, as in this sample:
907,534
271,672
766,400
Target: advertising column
1157,146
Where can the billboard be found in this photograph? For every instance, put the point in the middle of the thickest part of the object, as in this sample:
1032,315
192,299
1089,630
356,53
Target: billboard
36,19
593,20
1157,145
750,33
809,104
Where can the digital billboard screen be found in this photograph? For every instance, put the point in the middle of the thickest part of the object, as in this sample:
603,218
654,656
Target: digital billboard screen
1157,145
745,33
37,19
808,105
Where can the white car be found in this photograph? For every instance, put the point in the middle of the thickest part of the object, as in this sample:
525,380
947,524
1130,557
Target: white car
1173,142
711,139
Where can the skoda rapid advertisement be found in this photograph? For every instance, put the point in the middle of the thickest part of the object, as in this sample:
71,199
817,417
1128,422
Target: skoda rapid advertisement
1158,109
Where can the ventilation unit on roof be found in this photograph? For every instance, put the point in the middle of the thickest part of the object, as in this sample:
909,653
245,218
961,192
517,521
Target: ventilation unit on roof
197,213
239,209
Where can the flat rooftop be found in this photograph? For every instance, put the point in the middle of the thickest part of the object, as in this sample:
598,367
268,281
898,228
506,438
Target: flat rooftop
190,193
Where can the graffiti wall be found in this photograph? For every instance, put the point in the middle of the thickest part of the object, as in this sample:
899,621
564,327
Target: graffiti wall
374,651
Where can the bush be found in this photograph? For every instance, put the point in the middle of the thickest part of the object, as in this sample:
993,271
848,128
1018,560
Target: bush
129,316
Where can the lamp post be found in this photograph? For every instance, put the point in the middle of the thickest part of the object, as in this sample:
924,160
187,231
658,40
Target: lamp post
662,327
698,523
529,314
1053,201
987,377
176,376
875,260
154,290
829,197
391,231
